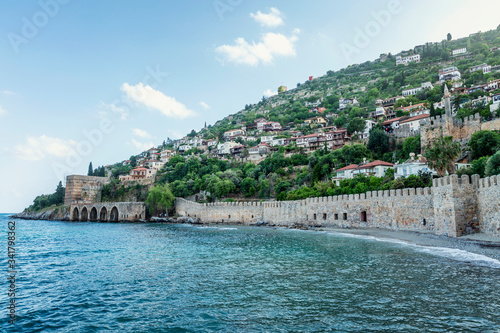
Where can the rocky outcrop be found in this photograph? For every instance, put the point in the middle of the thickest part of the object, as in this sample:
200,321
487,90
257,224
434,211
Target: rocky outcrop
60,213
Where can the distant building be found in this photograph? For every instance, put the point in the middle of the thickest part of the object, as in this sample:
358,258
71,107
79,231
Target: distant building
166,155
459,51
412,166
406,60
282,89
345,102
450,73
261,149
414,122
376,168
316,120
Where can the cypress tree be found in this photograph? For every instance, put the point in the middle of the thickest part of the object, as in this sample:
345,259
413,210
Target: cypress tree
91,170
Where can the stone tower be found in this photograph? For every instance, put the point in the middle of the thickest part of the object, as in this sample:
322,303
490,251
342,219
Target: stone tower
447,104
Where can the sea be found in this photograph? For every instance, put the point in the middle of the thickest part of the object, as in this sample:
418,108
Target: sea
126,277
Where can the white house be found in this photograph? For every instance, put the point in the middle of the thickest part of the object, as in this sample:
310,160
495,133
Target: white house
368,126
411,91
344,102
225,148
413,122
412,166
449,73
166,155
406,60
459,51
376,168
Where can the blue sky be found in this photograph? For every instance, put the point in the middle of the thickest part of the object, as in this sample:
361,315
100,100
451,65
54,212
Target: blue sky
99,81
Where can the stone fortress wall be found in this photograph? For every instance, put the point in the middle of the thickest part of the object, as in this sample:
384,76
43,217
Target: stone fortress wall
83,189
433,127
451,207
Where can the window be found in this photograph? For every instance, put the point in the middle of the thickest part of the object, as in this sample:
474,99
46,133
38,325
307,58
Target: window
362,217
336,216
324,216
314,216
345,216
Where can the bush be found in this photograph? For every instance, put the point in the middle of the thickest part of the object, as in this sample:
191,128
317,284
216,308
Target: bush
493,165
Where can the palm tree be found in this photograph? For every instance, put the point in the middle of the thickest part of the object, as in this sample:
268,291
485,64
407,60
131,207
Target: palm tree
441,155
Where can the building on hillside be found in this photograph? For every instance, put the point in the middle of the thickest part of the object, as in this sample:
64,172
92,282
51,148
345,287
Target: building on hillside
317,110
184,148
337,139
154,164
406,60
414,122
412,166
126,162
316,120
495,103
414,91
234,133
138,174
166,155
236,151
450,73
388,102
261,122
224,149
282,89
272,126
368,126
461,50
311,142
152,151
376,168
345,102
260,149
211,143
483,67
390,125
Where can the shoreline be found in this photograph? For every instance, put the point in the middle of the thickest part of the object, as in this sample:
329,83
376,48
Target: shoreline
475,243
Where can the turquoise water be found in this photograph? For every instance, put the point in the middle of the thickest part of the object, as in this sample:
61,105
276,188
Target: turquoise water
90,277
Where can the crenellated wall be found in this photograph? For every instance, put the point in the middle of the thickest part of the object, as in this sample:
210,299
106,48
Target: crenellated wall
452,207
488,198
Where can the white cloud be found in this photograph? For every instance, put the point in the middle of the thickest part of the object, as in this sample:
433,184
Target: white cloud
122,112
205,105
2,111
142,146
271,20
269,93
155,99
10,93
36,148
271,45
141,133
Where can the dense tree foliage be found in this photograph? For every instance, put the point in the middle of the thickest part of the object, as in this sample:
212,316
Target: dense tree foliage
48,200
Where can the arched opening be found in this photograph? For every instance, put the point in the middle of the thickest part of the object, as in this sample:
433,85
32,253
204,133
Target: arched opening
336,216
85,215
93,214
76,215
314,216
345,216
424,222
113,216
324,216
103,217
362,216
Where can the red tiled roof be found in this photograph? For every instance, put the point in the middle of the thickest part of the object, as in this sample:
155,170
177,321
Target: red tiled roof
420,116
376,163
349,167
390,121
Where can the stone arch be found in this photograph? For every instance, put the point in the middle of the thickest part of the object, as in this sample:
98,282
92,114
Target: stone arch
113,215
84,215
103,215
93,214
76,214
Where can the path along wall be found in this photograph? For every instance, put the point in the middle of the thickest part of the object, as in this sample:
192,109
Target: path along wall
452,207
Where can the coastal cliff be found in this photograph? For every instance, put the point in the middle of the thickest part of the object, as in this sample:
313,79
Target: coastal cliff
60,213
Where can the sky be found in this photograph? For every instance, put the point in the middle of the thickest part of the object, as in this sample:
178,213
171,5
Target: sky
99,81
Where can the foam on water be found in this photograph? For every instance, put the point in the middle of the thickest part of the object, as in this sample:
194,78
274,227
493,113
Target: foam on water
450,253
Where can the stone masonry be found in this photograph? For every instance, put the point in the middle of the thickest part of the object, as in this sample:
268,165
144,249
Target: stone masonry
83,189
451,207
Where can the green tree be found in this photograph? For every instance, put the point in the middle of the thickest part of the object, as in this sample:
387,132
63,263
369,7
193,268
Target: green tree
356,125
91,170
484,143
441,155
378,141
448,37
160,198
493,165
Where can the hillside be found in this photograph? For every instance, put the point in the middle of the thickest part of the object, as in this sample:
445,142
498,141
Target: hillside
288,146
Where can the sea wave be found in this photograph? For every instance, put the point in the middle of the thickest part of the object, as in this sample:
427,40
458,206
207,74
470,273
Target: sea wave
446,252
